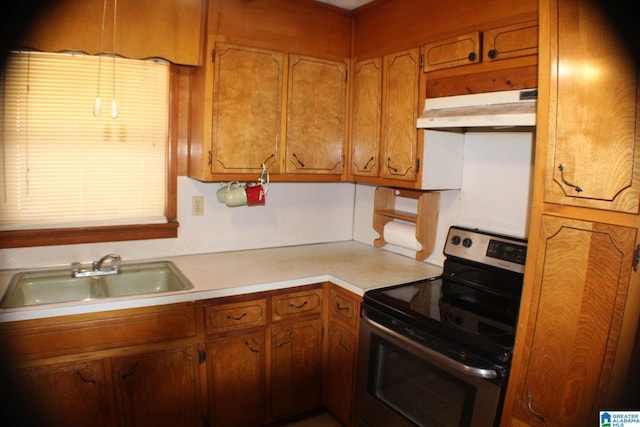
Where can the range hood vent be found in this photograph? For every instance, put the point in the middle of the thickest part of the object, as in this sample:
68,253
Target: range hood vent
503,109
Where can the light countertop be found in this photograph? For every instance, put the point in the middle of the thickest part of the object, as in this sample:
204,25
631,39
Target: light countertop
355,266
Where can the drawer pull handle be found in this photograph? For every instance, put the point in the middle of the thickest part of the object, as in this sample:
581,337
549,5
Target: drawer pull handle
132,371
570,184
297,307
288,340
342,308
242,316
530,409
297,160
250,347
366,165
85,379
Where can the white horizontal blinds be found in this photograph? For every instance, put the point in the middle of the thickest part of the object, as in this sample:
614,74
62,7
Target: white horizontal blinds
62,166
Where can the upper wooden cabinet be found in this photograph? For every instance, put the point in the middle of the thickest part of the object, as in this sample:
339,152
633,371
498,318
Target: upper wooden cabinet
316,115
513,41
170,29
453,52
247,109
593,158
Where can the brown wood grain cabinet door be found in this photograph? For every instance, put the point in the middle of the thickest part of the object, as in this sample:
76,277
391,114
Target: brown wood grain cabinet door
510,42
400,99
367,106
580,289
247,109
593,158
316,115
454,52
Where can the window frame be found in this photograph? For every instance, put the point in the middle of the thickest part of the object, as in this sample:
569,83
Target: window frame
76,235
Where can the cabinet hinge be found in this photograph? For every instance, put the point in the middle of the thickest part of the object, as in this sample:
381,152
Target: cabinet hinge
210,157
421,61
417,165
202,356
213,55
636,258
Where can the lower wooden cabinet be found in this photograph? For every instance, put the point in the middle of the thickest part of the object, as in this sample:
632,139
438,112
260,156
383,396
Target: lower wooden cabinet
73,394
240,361
158,388
236,380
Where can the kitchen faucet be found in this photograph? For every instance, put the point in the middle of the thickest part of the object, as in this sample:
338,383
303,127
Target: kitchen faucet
97,267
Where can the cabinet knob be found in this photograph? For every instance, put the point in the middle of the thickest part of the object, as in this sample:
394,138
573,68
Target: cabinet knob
472,56
493,54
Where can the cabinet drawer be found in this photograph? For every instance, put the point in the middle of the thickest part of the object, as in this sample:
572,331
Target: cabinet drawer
343,307
98,331
294,304
233,316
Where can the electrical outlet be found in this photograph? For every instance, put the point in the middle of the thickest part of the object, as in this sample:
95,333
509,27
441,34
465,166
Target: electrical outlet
197,205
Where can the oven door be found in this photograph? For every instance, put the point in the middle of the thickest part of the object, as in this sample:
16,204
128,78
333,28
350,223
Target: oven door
402,383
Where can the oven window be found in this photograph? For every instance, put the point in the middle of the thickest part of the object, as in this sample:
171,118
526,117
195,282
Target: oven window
419,391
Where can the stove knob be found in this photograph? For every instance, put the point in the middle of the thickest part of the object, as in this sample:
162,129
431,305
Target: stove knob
456,240
467,242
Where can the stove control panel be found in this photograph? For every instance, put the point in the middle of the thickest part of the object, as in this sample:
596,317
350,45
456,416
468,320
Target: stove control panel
485,247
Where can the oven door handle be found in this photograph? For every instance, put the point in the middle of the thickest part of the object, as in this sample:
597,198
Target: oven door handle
460,367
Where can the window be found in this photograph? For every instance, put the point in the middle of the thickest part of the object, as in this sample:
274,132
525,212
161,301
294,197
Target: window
72,172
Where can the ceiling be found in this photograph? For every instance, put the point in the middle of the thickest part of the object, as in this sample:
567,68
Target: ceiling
346,4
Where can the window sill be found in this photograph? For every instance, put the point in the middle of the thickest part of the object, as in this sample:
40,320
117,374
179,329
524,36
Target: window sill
69,236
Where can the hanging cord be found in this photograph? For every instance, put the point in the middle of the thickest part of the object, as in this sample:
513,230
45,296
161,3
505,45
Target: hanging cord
97,105
114,103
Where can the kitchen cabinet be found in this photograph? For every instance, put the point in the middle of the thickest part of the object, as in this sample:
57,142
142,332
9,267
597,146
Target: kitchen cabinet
597,107
171,29
503,57
264,355
247,109
579,314
131,367
316,115
578,299
159,388
452,52
496,44
80,394
236,363
341,351
386,103
255,91
366,116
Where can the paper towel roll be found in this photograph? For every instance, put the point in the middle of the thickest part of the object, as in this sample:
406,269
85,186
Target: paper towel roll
401,234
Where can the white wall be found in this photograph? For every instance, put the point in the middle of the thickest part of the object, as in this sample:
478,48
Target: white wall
495,193
494,196
294,213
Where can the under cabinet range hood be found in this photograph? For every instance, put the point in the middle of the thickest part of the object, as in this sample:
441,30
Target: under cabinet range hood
504,109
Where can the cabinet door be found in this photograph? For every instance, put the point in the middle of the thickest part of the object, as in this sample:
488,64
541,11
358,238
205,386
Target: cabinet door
367,106
453,52
316,115
593,153
247,109
236,380
296,383
580,287
67,394
511,42
159,388
400,100
341,352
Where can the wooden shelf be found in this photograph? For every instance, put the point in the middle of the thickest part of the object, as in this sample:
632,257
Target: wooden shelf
425,219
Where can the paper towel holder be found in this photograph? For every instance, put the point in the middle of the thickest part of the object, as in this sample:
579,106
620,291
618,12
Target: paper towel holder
425,219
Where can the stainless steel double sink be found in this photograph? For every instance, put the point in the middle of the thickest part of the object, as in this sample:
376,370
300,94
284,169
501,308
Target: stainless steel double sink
58,286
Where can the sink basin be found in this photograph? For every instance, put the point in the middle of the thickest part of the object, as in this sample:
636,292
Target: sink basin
57,286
